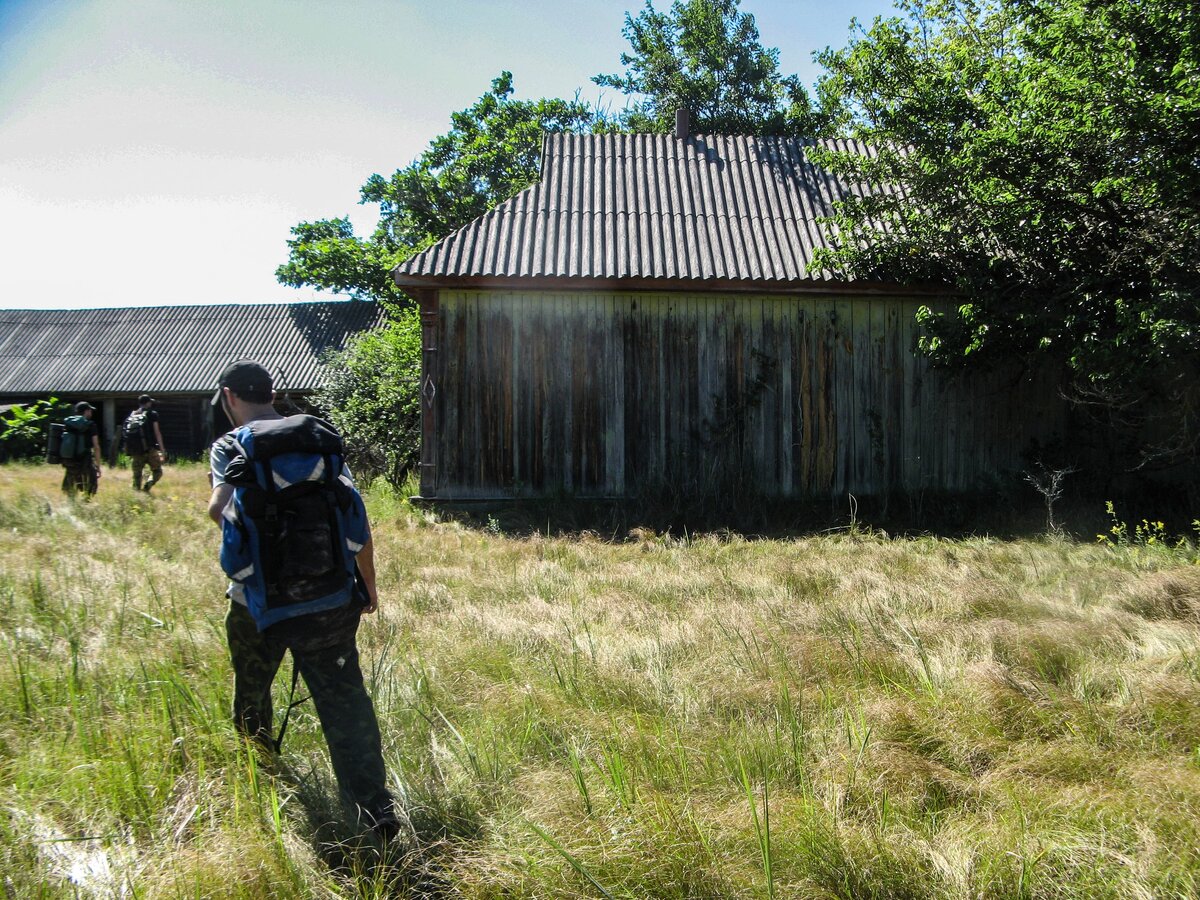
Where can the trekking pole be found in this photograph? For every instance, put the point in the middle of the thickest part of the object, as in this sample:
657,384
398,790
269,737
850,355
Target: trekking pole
292,704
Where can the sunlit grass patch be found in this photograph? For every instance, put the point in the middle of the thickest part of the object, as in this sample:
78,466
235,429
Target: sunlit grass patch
842,715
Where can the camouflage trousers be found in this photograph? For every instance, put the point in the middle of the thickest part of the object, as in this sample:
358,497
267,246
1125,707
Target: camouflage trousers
81,475
139,461
334,680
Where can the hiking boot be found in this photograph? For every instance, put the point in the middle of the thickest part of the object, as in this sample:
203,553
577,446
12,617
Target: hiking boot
383,822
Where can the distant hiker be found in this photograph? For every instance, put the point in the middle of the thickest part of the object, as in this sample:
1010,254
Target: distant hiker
143,441
297,544
79,451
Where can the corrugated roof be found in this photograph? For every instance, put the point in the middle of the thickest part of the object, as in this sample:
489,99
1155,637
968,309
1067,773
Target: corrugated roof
652,206
169,349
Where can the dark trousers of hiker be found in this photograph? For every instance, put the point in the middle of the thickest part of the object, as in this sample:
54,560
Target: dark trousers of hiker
335,682
139,461
80,475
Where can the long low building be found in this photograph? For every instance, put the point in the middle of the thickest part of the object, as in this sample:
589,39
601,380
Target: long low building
174,353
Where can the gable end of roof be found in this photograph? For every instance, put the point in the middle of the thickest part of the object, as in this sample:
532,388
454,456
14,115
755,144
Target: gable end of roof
641,207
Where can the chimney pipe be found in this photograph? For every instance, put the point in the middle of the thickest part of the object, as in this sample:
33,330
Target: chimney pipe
681,124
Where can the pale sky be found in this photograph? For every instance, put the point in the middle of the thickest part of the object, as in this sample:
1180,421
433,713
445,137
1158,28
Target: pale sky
157,152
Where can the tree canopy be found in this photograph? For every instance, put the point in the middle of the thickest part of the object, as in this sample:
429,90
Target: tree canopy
1048,153
327,255
491,152
705,56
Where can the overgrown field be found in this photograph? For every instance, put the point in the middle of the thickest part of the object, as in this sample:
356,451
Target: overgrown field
845,715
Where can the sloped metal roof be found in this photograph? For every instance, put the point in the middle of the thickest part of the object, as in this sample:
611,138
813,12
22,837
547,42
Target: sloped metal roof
652,206
165,350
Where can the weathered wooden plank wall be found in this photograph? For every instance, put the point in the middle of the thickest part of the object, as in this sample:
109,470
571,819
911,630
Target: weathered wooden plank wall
604,394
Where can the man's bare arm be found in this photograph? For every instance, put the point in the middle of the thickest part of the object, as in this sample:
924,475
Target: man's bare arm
366,565
216,504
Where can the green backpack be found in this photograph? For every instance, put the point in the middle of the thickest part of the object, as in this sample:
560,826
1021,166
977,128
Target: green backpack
75,438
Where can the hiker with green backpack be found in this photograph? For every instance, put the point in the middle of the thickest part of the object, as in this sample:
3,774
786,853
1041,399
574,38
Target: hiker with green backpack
79,451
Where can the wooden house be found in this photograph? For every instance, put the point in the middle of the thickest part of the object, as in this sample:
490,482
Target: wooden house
648,314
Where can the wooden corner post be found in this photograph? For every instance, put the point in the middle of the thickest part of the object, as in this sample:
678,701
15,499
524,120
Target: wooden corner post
430,376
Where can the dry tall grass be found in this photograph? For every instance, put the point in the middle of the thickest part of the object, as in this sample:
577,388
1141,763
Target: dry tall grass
838,716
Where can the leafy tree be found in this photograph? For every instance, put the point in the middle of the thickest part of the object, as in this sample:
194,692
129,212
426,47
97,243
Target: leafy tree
1047,154
705,56
25,429
491,152
326,254
371,393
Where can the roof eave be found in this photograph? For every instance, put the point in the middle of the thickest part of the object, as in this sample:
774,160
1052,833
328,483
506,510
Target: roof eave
746,286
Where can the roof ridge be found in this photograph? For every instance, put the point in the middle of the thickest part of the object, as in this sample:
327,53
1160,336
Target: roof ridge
286,304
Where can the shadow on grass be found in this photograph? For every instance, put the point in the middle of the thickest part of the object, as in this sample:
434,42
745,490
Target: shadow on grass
411,863
1012,513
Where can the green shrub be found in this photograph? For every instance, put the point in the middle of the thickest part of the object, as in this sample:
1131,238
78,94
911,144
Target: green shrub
24,428
372,394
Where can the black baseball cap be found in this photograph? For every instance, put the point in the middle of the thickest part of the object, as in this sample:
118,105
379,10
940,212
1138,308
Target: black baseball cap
246,378
146,398
82,406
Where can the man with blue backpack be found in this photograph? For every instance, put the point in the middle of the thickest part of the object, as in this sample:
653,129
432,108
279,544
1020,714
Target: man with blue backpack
297,545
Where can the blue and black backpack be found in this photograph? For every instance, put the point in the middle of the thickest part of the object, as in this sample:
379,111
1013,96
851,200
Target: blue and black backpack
291,532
